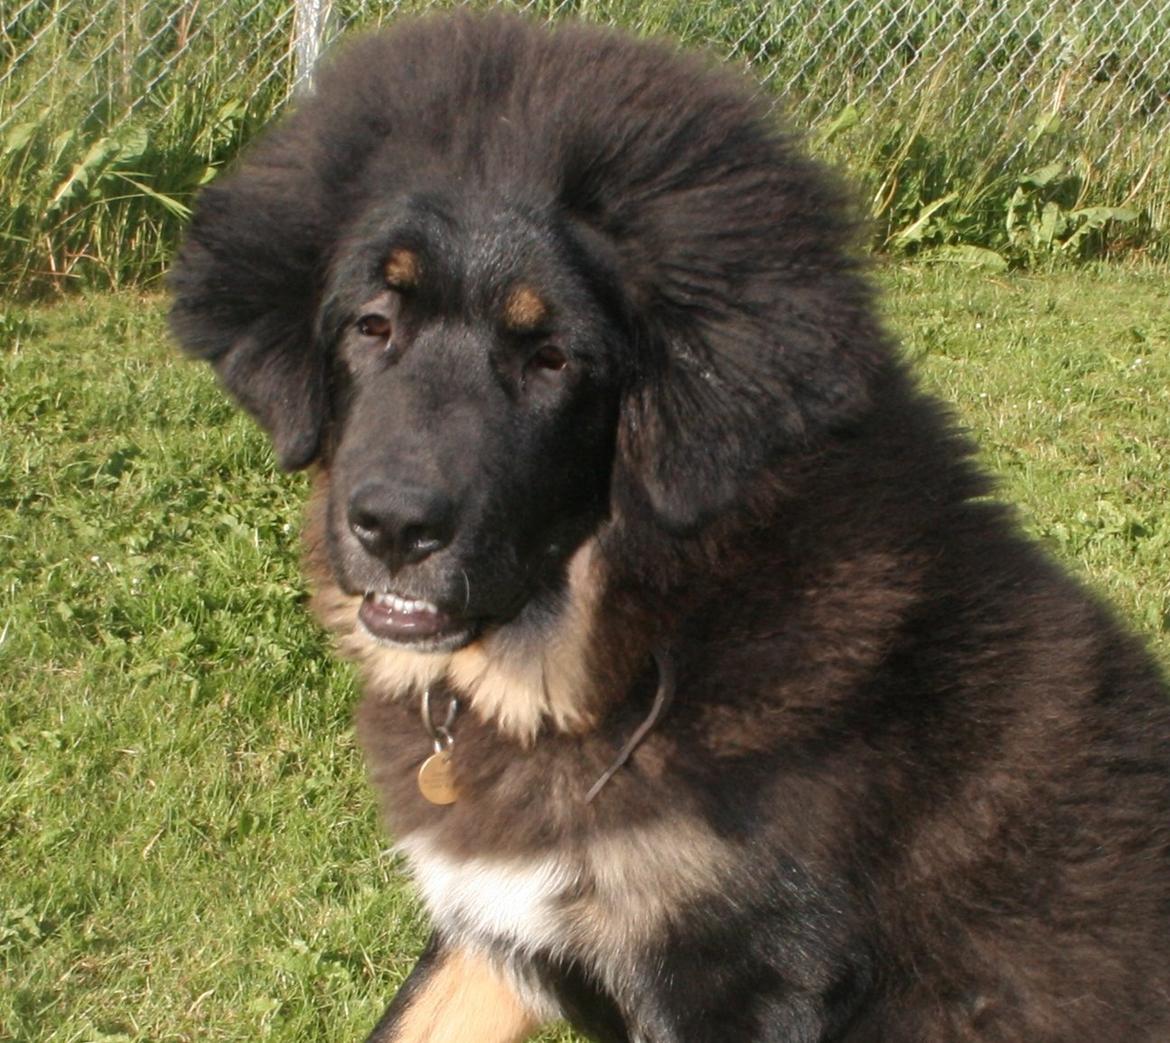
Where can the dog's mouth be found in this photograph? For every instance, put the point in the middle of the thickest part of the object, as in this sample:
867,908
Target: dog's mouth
420,625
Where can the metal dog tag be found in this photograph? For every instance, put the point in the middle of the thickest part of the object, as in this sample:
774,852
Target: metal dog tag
436,779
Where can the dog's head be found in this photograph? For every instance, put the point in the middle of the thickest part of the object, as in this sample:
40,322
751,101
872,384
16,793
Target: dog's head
477,365
503,283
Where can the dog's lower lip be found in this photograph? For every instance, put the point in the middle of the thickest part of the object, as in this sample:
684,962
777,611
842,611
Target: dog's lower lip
405,620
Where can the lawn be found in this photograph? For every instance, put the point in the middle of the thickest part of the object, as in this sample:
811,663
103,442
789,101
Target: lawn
188,849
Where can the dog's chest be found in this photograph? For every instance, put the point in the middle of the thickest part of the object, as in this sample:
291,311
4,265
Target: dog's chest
600,903
520,903
517,901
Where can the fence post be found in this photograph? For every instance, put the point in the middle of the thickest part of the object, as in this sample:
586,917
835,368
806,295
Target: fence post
310,24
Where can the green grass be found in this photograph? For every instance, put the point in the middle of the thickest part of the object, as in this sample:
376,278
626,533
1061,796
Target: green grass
113,114
1065,379
188,848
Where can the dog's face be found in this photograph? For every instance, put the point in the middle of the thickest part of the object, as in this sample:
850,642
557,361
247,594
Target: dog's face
477,374
500,285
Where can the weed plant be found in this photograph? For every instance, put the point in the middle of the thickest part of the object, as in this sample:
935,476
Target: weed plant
113,114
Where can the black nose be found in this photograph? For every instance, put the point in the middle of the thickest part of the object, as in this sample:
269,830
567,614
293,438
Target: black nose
400,524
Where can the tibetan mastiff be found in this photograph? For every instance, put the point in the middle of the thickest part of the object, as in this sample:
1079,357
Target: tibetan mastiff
709,694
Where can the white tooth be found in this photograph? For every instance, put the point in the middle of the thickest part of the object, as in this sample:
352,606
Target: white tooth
405,606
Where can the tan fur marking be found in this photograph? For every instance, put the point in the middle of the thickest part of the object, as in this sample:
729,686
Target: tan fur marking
465,1000
519,680
641,878
524,310
516,677
402,269
605,901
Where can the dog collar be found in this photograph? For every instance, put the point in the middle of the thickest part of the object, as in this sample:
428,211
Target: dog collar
662,699
436,777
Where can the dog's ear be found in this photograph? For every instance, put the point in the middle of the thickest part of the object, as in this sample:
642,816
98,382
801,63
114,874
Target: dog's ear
754,330
243,291
733,385
756,335
250,275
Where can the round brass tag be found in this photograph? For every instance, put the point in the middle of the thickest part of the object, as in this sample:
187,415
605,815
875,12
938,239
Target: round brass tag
436,780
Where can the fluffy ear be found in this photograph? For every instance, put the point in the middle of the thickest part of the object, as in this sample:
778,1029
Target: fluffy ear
734,385
756,333
243,289
249,276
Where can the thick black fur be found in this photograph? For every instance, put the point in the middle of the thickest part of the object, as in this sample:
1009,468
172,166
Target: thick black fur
926,776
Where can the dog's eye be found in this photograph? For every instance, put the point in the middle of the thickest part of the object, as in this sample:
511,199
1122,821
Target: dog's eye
375,327
543,366
548,358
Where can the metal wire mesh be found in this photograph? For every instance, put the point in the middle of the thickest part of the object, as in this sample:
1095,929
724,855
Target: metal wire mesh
1103,64
156,95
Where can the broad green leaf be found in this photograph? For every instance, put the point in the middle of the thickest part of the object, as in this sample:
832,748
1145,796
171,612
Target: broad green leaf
17,137
1044,176
83,174
970,257
918,229
1053,224
1099,216
847,118
169,203
132,145
1049,123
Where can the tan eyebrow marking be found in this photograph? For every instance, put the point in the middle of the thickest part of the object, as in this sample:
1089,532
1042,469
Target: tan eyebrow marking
524,309
402,269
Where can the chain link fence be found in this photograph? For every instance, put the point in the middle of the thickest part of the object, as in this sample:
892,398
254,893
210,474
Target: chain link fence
154,95
1098,63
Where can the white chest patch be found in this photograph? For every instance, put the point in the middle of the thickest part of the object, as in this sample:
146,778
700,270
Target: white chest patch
520,903
600,904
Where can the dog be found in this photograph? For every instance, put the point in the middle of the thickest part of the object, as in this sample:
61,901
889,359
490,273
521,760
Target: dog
709,693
